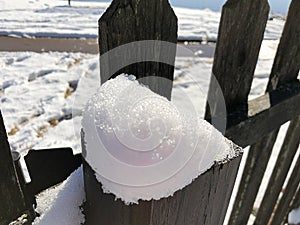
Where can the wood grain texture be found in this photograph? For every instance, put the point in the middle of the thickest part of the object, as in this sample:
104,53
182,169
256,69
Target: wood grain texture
285,69
264,115
255,167
240,36
280,172
103,209
286,200
287,61
296,202
127,21
12,202
204,202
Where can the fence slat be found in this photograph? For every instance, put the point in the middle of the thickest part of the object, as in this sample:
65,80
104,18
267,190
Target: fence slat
265,114
12,202
251,180
49,167
283,163
126,21
296,202
237,51
283,207
285,69
287,61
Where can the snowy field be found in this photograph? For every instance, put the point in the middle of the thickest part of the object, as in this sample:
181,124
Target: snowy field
44,18
37,103
36,100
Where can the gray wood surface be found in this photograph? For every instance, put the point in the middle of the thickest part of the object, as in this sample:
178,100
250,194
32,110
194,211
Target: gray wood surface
126,21
12,202
287,61
240,36
286,200
236,56
296,203
204,202
280,172
265,114
251,180
285,69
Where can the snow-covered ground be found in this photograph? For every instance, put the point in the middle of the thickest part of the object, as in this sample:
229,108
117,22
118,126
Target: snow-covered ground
45,18
37,100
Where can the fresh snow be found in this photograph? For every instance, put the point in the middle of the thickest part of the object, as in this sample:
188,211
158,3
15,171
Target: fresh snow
34,98
60,205
138,132
44,18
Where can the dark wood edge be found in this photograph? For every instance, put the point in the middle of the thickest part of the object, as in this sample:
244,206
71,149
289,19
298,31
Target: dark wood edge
264,114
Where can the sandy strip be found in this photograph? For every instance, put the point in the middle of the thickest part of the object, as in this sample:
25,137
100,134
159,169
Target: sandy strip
13,44
48,44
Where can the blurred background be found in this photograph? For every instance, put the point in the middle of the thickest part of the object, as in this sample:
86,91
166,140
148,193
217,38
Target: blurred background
277,6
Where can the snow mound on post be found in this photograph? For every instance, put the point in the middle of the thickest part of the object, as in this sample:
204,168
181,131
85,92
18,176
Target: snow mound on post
142,147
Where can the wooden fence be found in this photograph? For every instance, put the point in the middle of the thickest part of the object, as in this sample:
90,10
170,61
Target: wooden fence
252,123
265,120
154,20
255,123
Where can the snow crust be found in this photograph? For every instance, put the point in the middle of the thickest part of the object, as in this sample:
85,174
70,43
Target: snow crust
142,146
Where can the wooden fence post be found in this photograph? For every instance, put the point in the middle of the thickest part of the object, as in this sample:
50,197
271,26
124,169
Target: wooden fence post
285,69
235,60
126,21
12,202
237,51
205,201
287,61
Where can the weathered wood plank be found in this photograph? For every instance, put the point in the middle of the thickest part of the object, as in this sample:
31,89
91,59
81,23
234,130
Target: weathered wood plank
296,202
235,60
265,114
249,186
282,208
204,202
12,202
285,69
237,51
280,172
287,60
103,207
49,167
126,21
